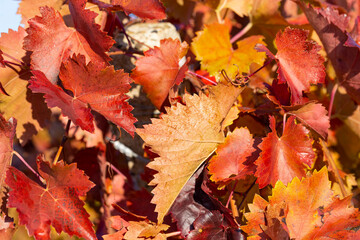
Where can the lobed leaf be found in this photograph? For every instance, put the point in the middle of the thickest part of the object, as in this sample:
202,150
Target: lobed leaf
286,157
159,70
149,9
213,48
58,204
184,138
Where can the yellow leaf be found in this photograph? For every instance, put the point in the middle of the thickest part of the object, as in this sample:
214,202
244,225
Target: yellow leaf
184,138
213,48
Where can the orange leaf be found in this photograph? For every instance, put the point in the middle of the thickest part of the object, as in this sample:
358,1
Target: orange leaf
7,133
307,209
231,161
184,138
213,48
159,70
286,157
29,109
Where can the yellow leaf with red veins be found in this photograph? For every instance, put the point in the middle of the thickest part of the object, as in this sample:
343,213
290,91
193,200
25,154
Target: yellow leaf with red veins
213,48
184,138
305,209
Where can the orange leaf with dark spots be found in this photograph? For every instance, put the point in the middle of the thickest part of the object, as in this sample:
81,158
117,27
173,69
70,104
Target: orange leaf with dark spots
146,9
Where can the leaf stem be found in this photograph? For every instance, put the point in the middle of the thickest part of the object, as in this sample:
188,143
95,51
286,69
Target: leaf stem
284,122
172,234
121,25
332,98
231,193
241,33
15,59
65,137
28,166
335,169
202,77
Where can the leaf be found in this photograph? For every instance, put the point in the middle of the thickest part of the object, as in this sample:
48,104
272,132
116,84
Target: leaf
314,115
184,138
146,9
103,89
29,109
329,25
144,230
159,70
307,209
241,8
57,204
213,48
231,161
52,42
286,157
296,53
7,134
29,8
2,64
7,228
84,21
119,224
209,226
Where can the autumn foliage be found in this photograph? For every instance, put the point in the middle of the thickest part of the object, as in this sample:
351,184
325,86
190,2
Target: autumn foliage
181,119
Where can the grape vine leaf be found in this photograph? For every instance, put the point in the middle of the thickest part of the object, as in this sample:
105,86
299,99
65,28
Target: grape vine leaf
241,8
160,69
7,134
232,161
314,115
57,204
29,8
213,48
184,138
2,64
295,53
286,157
329,25
101,89
118,224
84,21
52,42
306,209
29,109
148,9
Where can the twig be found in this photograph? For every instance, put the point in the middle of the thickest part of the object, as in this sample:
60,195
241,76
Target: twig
28,166
66,134
335,169
332,98
246,193
120,24
15,59
241,33
200,76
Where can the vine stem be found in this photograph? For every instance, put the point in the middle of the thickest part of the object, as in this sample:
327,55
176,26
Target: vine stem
66,134
15,59
241,33
332,98
335,169
200,76
28,166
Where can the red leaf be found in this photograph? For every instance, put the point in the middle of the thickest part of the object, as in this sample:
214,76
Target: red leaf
299,62
58,204
231,161
159,70
84,21
286,157
147,9
2,63
103,89
52,42
315,116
